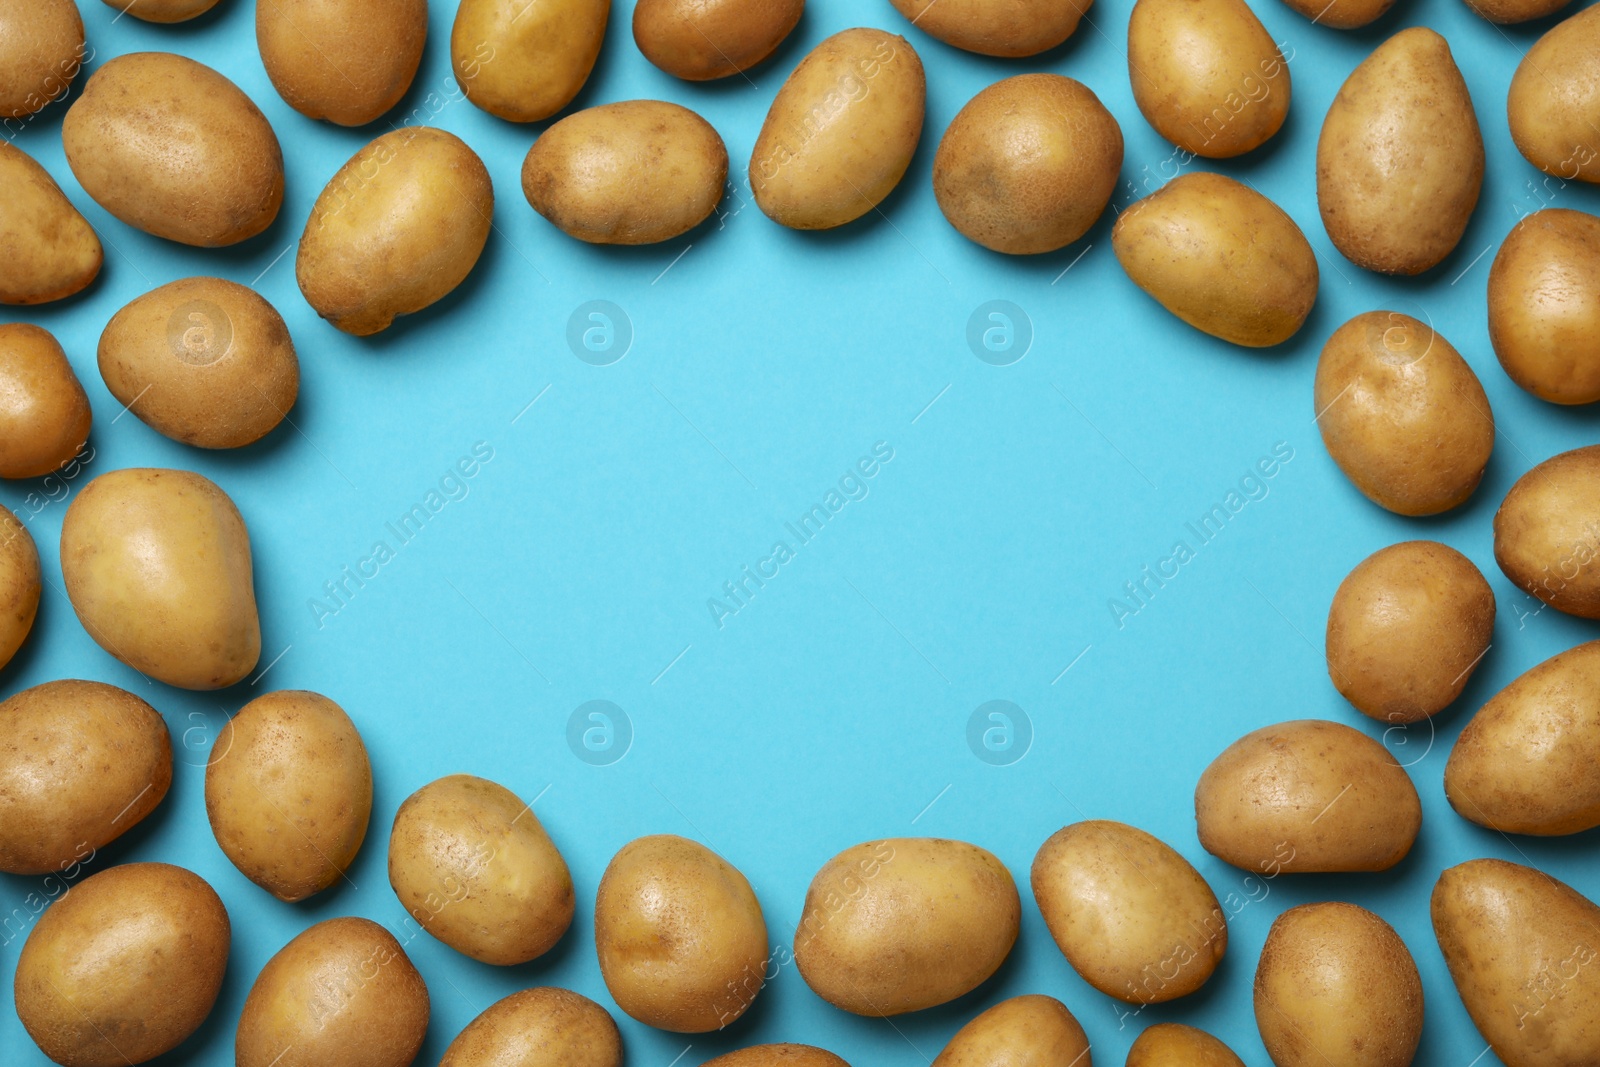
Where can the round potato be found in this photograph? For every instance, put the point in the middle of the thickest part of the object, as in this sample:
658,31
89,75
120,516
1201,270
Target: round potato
347,61
903,924
1547,532
41,51
536,1028
123,967
1341,14
1512,11
1176,1045
19,584
776,1056
698,40
524,60
1008,28
1027,1031
1554,102
51,251
1029,164
44,412
1544,305
163,10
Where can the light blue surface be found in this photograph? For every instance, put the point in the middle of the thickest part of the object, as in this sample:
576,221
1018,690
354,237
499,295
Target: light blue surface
835,706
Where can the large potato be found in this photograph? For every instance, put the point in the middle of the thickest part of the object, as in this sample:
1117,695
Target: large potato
1341,14
524,60
166,11
776,1056
1026,1031
347,61
47,249
541,1027
41,51
19,584
1544,305
44,412
1547,532
1554,102
903,924
1176,1045
698,40
1009,28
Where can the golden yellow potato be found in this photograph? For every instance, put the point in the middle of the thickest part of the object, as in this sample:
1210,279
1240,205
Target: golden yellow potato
538,1028
1400,158
1131,915
166,11
841,132
171,147
400,226
680,935
41,51
1029,164
776,1056
47,250
123,967
1547,532
1307,796
347,61
1554,102
1009,28
1407,627
524,60
1341,14
632,173
473,865
19,584
1027,1031
44,412
698,40
1176,1045
343,992
1336,987
157,565
1544,305
903,924
1402,414
1510,11
1221,257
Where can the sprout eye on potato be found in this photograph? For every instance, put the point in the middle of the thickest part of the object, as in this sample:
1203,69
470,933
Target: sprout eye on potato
699,40
51,250
347,61
537,1027
1544,305
1547,532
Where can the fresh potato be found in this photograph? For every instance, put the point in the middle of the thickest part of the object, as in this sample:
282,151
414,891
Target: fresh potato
1400,158
698,40
19,584
347,61
157,565
166,11
538,1028
1341,14
1554,102
1221,257
524,60
171,147
51,251
1547,532
124,966
472,864
1511,11
1544,305
1029,164
1176,1045
41,51
1307,796
632,173
1134,919
1336,987
841,132
776,1056
45,417
903,924
1406,629
1009,28
1027,1031
680,935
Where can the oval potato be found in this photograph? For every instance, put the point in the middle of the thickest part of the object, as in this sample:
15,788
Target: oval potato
41,52
699,40
1554,103
1544,305
524,60
44,412
1007,28
347,61
1547,532
162,11
1026,1031
537,1028
1176,1045
777,1056
51,251
19,584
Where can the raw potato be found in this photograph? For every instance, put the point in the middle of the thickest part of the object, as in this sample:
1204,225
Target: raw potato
524,60
1402,414
1400,158
19,584
473,865
680,935
1176,1045
165,11
1510,11
1341,14
49,250
1221,257
904,924
1544,305
157,565
1029,164
81,763
1554,102
171,147
41,51
1547,532
698,40
44,412
1336,987
776,1056
347,61
398,228
1406,629
1307,796
632,173
1008,28
1027,1031
841,132
1131,915
123,967
538,1028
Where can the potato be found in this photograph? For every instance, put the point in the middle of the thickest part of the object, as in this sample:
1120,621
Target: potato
347,61
680,935
1134,919
1029,164
123,967
1221,257
1510,11
398,228
841,132
163,10
1407,627
632,173
698,40
473,865
903,924
41,51
19,584
1341,14
1336,987
1544,305
1402,414
51,251
45,417
1400,158
1176,1045
1009,28
342,992
776,1056
1307,796
524,60
171,147
538,1028
1554,102
157,565
1547,532
1027,1031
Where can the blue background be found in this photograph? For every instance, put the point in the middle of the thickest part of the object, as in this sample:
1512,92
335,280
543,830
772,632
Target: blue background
834,707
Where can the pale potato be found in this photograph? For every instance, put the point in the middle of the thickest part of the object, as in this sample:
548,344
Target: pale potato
524,60
1341,14
1547,532
1554,102
542,1027
1026,1031
1176,1045
698,40
44,412
1009,28
48,251
19,584
1544,305
1511,11
41,52
163,11
347,61
776,1056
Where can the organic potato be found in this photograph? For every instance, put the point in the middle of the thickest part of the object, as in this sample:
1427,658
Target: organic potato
1029,164
1544,305
680,935
400,226
1554,102
19,584
41,50
1009,28
1341,14
524,60
166,10
1176,1045
51,251
1307,796
347,61
540,1027
1027,1031
171,147
472,864
1400,158
776,1056
1221,257
124,966
1510,11
903,924
44,412
157,565
698,40
841,131
1547,532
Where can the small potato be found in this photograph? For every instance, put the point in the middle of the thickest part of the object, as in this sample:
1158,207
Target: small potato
524,60
1007,28
1134,919
1307,796
1400,157
347,61
841,132
166,11
41,52
1554,102
1027,1031
1341,14
124,966
1512,11
776,1056
1176,1045
905,924
1402,414
1029,164
540,1027
632,173
698,40
1221,257
44,412
1544,305
51,251
1547,532
680,935
19,584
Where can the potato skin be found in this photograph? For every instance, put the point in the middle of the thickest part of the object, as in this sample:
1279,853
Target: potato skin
1547,532
535,1028
1507,12
1007,28
19,584
784,1055
1176,1045
1544,305
524,60
347,61
162,11
699,40
41,51
1028,165
44,412
1026,1031
1554,102
48,251
1341,14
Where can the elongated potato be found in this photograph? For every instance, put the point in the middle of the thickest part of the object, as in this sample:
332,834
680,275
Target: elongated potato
698,40
45,415
1544,305
538,1028
19,584
41,52
1008,28
1176,1045
1026,1031
1554,102
524,60
347,61
51,251
1547,532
